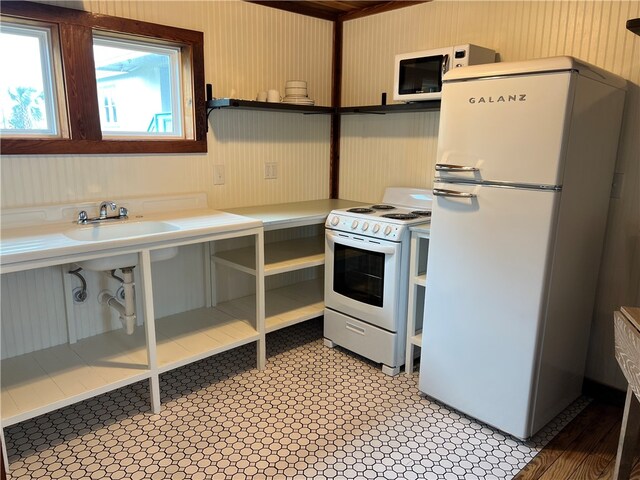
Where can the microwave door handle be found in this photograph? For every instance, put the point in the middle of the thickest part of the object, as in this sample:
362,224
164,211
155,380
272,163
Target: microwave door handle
448,167
445,64
333,238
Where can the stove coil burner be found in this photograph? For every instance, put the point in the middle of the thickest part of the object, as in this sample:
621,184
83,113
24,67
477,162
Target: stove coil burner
360,210
422,213
383,207
400,216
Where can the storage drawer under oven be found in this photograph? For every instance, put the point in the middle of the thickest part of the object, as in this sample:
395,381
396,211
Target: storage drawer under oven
362,338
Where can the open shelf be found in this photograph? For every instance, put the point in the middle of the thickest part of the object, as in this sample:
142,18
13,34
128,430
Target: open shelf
219,103
284,306
294,304
417,339
196,334
421,280
45,380
428,106
279,257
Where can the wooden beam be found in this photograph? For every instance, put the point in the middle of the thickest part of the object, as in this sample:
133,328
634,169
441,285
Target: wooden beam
336,100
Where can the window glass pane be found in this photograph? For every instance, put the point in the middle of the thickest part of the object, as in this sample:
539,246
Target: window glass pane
138,88
27,102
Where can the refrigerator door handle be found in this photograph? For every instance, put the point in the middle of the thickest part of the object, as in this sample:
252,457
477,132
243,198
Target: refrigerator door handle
447,167
441,192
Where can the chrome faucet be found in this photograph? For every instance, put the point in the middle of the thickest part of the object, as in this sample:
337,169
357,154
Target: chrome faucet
103,208
123,214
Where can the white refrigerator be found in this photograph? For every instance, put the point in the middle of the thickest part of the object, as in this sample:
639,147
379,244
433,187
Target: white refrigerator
526,154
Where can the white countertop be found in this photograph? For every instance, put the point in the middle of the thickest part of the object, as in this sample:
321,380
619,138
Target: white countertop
36,236
295,214
41,242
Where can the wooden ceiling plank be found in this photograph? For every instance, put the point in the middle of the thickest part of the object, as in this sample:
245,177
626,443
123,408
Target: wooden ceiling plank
303,8
380,8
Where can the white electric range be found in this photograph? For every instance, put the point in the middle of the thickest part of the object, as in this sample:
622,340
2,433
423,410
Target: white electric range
367,273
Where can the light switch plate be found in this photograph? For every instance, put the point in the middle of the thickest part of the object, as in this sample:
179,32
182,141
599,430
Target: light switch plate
270,170
218,174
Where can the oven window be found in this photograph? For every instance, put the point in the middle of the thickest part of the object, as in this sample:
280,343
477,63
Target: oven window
359,274
421,75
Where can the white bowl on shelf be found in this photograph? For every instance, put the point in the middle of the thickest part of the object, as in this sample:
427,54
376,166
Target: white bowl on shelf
296,84
295,92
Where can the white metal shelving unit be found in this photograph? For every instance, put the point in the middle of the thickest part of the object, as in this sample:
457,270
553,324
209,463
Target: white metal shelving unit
417,286
288,305
45,380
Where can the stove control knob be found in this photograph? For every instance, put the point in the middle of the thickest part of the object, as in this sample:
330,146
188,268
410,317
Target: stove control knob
365,226
354,225
376,228
387,230
335,221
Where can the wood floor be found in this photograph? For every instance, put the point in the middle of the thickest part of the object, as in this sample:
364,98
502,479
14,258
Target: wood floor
584,450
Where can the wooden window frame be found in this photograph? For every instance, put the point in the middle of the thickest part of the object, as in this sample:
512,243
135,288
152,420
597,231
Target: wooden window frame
75,29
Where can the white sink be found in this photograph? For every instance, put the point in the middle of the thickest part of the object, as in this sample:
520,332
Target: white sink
115,231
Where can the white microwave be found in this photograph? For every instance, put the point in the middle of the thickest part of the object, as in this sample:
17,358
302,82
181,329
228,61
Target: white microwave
418,75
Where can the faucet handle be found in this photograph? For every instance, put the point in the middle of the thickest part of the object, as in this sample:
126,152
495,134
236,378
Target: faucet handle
123,213
82,217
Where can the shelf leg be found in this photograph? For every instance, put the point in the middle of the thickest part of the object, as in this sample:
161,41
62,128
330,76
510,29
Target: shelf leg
408,363
150,328
260,301
208,284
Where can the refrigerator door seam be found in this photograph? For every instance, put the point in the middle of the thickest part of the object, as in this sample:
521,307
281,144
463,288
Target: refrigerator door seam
511,75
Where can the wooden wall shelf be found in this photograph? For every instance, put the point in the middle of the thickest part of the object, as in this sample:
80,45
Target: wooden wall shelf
429,106
224,103
220,103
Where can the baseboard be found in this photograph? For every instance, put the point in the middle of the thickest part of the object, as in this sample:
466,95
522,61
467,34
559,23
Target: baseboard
603,393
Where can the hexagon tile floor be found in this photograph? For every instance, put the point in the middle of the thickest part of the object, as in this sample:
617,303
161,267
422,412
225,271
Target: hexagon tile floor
314,413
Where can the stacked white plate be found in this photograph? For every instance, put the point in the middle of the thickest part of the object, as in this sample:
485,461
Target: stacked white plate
296,92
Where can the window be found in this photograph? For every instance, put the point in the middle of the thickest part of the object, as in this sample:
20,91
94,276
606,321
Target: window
126,86
27,93
146,81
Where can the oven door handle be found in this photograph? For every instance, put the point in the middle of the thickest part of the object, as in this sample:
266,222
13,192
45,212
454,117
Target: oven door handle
333,238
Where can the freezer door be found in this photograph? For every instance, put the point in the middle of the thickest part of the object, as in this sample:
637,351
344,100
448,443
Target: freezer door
509,129
485,300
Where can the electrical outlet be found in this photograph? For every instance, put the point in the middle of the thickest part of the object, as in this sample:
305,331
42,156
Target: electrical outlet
270,170
218,174
617,184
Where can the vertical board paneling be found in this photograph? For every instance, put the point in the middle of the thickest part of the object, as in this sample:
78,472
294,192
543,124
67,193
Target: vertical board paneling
32,303
593,31
248,48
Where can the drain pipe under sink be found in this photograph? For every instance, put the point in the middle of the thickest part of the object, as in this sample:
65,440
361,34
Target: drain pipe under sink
128,310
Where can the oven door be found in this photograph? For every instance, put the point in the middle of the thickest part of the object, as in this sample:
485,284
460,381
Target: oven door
362,278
